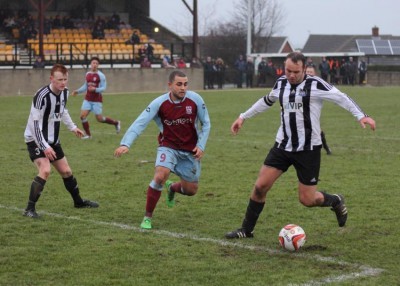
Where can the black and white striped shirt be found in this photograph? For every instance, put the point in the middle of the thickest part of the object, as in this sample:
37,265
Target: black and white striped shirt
301,110
47,112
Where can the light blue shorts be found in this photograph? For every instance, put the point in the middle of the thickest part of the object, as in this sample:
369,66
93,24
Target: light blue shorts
95,107
181,163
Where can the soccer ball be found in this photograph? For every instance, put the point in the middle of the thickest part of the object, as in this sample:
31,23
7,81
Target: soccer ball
292,237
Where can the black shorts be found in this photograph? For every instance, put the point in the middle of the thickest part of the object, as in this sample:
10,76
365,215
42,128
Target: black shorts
306,163
35,152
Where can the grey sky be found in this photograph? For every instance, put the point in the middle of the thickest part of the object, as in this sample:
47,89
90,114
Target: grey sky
302,17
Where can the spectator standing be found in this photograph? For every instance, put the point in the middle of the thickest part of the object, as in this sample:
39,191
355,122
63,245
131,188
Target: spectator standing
220,72
181,145
42,132
279,72
94,86
362,71
333,69
271,70
352,71
249,72
262,73
209,73
240,66
344,72
324,69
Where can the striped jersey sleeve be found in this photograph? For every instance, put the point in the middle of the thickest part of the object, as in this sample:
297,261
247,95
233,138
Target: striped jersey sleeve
301,107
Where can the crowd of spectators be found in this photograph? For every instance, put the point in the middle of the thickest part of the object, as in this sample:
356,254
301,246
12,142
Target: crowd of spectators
18,24
214,73
341,71
21,26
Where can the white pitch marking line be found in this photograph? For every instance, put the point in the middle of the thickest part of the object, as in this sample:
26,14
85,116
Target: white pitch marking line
365,270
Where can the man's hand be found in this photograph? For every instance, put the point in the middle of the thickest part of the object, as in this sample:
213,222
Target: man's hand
236,125
78,133
369,121
50,154
198,153
121,150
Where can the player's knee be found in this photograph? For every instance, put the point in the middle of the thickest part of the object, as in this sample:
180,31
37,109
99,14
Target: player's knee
101,119
260,192
66,173
189,188
44,173
307,201
190,191
159,180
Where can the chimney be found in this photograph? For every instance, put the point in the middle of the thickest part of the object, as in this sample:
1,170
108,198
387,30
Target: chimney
375,32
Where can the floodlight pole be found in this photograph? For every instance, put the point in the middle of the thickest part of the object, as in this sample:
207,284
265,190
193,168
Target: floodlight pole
41,7
249,15
195,48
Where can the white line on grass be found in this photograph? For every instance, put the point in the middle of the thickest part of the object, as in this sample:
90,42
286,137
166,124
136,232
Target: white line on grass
364,270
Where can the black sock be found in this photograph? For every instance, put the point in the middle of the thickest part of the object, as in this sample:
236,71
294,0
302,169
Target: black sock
329,200
36,190
71,185
252,213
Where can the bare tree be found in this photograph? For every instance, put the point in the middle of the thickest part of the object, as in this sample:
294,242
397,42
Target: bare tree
227,38
266,20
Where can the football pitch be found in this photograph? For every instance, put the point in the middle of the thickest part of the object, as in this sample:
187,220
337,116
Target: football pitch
105,246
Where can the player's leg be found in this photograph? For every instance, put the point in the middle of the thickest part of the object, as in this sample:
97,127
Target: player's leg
70,182
188,169
275,164
153,194
85,110
98,111
266,178
37,186
44,168
307,167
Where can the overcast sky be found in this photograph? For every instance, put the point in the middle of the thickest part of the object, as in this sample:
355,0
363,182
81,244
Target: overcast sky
302,17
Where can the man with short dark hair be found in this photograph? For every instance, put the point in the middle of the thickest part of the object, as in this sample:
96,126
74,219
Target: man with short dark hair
182,118
298,140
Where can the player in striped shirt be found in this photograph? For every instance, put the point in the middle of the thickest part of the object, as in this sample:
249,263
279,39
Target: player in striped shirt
42,131
95,84
182,141
298,141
